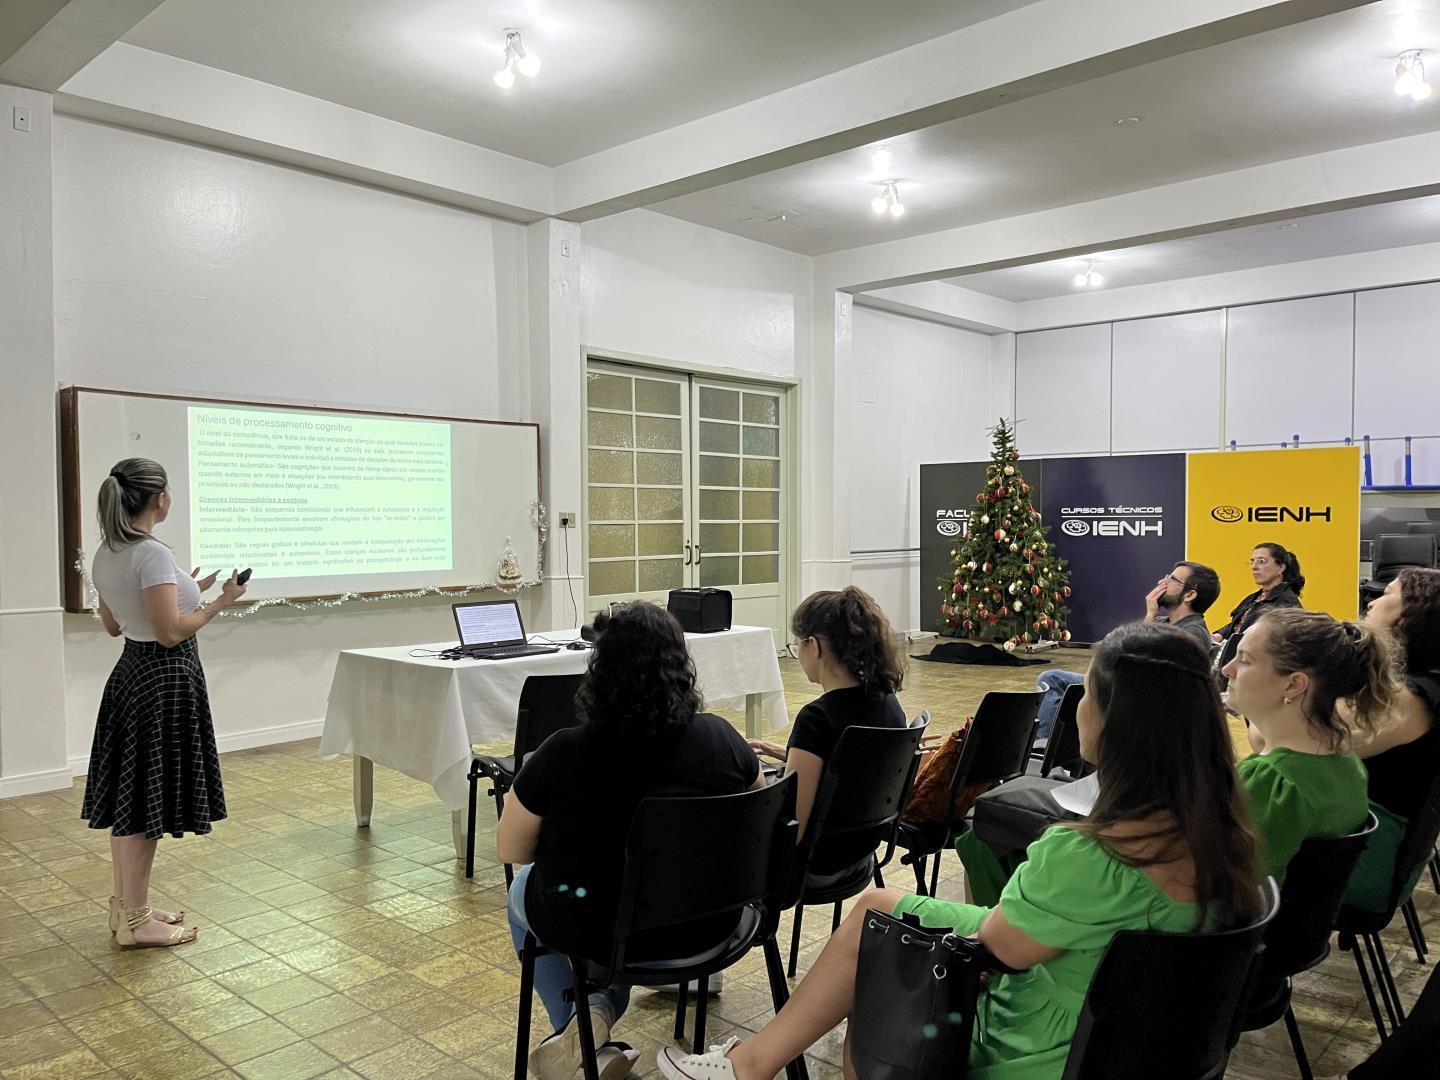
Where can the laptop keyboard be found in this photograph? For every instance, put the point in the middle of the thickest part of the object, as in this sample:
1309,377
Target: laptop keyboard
504,651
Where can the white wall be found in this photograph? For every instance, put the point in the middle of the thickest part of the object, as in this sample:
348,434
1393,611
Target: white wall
923,393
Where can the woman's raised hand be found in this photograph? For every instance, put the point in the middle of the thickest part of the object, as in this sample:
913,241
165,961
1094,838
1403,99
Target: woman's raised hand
232,588
206,582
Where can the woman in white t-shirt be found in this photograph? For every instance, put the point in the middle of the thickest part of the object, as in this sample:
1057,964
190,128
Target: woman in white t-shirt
154,768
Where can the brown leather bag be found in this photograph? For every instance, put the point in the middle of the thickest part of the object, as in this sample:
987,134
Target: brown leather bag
940,758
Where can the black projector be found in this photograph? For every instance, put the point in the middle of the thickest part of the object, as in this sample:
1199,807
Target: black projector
700,611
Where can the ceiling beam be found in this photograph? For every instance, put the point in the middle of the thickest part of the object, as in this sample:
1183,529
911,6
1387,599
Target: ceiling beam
43,43
1037,49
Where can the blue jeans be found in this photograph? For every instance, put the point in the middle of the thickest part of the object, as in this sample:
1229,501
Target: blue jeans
552,973
1054,683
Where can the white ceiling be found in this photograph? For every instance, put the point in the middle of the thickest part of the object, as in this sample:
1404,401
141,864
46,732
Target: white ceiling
612,70
1301,90
1342,232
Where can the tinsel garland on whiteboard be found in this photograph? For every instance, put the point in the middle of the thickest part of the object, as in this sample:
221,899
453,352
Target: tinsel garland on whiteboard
538,518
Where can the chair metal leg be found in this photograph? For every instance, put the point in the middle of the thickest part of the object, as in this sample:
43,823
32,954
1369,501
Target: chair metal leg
1417,935
795,939
522,1024
1435,872
1382,984
879,877
935,874
590,1067
1390,981
470,828
835,919
779,994
1348,943
702,1003
1298,1044
682,1001
917,863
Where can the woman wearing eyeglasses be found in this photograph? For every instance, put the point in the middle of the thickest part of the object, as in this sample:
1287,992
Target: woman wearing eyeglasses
1277,572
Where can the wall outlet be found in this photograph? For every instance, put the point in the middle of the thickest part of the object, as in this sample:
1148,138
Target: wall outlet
564,249
21,118
567,519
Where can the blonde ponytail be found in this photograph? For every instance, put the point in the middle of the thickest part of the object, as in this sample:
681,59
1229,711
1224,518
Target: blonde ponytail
124,495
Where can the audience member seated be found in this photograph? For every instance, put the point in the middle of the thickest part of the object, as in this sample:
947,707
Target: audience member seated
1167,847
1277,572
1290,674
1180,598
845,646
1403,758
567,816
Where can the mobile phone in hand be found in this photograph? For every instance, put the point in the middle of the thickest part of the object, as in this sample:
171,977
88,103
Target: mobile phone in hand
243,576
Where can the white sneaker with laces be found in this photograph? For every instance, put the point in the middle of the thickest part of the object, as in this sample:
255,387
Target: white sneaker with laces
712,1066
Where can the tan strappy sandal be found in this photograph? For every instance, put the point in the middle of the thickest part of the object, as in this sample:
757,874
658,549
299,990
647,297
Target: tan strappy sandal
117,908
134,918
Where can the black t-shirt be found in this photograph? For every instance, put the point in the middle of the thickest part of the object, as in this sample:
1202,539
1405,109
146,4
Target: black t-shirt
585,784
1400,778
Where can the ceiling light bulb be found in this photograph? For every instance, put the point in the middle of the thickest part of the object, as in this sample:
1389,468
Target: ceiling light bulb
1420,91
879,204
1096,279
897,209
1410,76
505,78
529,64
1081,278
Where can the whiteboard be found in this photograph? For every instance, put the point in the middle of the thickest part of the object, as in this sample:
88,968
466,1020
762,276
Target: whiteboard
317,502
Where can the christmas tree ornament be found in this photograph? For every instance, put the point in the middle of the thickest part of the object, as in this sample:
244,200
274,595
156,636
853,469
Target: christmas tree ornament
508,575
1014,548
1009,470
1018,606
1010,645
999,534
984,519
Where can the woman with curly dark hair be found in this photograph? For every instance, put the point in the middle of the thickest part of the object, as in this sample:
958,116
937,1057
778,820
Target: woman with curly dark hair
845,645
566,818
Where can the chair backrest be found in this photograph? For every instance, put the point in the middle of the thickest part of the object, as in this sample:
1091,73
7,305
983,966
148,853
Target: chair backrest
1431,527
1395,551
687,859
1417,847
1063,749
1167,1005
999,741
863,790
547,705
1315,881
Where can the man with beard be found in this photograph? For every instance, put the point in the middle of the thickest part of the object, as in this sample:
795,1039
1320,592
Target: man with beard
1180,598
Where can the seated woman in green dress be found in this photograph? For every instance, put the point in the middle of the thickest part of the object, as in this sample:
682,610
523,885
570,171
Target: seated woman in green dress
1167,847
1294,673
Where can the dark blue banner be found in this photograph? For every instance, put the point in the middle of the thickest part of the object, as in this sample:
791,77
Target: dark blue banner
1120,522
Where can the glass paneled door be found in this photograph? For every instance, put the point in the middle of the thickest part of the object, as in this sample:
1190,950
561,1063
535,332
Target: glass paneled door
684,484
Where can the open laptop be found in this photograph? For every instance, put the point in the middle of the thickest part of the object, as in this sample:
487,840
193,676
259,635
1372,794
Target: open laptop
493,630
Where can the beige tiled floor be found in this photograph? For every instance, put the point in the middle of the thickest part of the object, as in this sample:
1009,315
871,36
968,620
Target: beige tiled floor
333,951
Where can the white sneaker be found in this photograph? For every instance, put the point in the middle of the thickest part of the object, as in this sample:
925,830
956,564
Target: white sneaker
712,1066
614,1061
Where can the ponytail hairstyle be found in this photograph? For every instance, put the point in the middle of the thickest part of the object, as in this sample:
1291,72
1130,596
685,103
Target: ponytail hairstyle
1346,661
126,494
1178,776
1291,562
857,631
1418,627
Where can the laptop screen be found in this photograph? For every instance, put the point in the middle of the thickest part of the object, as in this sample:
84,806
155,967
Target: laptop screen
490,622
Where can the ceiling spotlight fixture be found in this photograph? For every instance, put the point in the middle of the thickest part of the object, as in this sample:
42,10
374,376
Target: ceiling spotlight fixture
1127,120
1089,278
516,59
1410,76
889,199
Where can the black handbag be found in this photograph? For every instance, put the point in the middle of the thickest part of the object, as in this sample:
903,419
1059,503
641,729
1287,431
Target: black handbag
915,995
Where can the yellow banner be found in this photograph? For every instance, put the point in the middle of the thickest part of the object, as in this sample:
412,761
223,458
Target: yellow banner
1305,500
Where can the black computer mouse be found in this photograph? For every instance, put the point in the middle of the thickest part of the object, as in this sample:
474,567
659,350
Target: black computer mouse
578,645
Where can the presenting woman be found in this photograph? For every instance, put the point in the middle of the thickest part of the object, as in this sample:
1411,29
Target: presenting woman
1277,573
153,765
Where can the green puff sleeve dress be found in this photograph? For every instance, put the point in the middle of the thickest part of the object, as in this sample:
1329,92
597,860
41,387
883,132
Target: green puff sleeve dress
1069,894
1294,796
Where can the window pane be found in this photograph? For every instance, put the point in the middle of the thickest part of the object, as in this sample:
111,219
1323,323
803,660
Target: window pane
721,571
719,404
762,538
659,504
760,473
761,568
612,504
610,429
609,541
658,574
661,397
719,471
612,577
657,433
764,441
720,438
612,467
724,505
659,468
760,504
762,409
719,538
607,391
662,539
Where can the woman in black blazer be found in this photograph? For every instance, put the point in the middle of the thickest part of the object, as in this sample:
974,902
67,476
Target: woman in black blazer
1277,572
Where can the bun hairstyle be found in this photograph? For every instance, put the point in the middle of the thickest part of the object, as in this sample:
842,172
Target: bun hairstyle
641,681
1346,661
850,622
1418,627
1180,776
126,494
1291,563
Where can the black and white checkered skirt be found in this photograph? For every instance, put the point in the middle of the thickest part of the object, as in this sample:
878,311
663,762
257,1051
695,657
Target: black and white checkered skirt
154,768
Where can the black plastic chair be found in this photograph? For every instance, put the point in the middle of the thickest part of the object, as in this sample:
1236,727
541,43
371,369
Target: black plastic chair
547,705
1062,748
1167,1005
863,791
996,749
1392,553
1357,927
1298,938
687,860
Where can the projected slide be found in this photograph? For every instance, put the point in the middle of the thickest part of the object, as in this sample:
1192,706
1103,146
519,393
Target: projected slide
295,495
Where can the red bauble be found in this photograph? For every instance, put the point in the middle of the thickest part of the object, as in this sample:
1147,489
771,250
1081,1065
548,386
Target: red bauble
968,624
1034,590
993,619
980,496
1000,493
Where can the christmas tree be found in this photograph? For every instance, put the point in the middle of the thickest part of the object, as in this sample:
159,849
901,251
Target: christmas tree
1007,584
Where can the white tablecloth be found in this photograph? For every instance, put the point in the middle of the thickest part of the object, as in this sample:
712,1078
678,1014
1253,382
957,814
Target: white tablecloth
420,716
